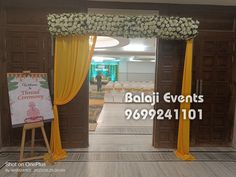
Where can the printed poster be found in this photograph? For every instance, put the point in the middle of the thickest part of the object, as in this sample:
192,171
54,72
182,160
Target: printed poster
29,98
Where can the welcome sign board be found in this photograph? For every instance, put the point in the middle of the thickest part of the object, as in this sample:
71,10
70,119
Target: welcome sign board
29,98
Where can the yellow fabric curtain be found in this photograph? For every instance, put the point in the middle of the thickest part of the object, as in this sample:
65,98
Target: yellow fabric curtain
184,125
72,60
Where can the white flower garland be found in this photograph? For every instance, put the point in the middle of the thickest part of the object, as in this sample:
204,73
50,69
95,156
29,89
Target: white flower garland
176,28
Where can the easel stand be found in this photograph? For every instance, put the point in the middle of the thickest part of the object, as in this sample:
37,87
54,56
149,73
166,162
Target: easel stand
33,126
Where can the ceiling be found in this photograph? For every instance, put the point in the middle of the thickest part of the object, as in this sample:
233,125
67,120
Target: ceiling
201,2
136,49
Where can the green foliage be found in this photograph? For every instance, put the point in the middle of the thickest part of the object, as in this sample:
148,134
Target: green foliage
44,84
12,85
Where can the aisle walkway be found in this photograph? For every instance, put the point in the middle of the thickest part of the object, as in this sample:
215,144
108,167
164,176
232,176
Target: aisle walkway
115,133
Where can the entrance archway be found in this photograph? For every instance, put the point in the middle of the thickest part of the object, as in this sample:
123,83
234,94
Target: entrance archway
172,28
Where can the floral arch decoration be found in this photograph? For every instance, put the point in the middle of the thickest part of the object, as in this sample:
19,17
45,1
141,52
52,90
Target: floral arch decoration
172,28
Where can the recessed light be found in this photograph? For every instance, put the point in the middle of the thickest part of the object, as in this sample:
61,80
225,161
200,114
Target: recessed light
100,49
98,59
104,42
135,47
133,59
102,59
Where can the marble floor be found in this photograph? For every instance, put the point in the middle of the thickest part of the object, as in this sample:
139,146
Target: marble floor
115,133
123,148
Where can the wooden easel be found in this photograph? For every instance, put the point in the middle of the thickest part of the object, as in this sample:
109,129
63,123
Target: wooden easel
32,127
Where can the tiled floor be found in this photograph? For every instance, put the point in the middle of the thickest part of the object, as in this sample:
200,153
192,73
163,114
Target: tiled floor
132,169
115,133
123,148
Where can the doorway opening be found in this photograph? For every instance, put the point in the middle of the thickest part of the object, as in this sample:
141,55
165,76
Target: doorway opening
120,65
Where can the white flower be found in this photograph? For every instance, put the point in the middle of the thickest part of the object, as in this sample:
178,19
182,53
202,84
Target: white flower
119,25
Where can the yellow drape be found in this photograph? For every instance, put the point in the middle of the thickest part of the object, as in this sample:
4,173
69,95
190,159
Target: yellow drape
72,60
184,125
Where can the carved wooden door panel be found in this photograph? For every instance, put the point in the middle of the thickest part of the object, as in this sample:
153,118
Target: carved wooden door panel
25,51
74,120
214,52
32,51
169,72
212,77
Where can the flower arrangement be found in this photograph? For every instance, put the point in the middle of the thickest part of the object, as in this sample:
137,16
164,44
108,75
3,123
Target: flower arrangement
176,28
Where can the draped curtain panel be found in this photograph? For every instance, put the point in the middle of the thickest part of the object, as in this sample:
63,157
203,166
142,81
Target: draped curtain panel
72,61
184,124
71,64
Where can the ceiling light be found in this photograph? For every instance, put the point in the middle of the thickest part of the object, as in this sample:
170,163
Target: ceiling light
135,47
104,41
133,59
98,59
100,49
102,59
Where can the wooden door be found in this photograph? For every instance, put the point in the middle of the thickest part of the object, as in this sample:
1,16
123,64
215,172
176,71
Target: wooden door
214,54
24,51
212,70
169,72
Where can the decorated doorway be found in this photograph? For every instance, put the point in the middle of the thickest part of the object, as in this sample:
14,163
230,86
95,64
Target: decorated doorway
73,30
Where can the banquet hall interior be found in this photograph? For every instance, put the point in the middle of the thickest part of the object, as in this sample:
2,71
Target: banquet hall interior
125,65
